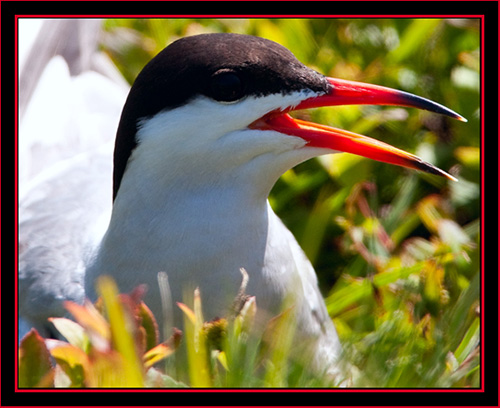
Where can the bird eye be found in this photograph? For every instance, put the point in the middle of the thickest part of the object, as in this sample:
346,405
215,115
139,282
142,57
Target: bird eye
226,86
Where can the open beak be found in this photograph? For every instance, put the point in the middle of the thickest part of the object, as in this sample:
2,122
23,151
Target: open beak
344,92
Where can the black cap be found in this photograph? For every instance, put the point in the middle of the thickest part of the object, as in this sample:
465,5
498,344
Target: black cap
225,67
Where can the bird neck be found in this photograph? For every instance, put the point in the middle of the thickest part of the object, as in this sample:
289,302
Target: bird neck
185,202
187,232
157,221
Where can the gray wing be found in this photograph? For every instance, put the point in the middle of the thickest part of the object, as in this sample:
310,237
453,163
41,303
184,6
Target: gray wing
61,220
315,315
313,321
65,140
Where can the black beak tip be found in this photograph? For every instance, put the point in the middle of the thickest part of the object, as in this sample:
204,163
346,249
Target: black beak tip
426,104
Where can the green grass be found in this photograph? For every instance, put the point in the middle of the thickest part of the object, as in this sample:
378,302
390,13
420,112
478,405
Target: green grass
397,252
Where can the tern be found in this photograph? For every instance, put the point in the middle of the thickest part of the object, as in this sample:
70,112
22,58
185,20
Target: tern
204,135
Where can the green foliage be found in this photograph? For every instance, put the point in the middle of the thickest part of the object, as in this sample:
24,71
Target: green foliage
109,345
35,369
397,252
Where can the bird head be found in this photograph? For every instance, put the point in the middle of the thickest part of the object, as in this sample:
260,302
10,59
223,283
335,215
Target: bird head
215,104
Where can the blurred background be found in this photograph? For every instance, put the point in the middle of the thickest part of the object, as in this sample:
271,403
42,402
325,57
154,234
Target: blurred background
397,252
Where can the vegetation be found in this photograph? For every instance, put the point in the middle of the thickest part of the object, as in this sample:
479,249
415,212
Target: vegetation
397,252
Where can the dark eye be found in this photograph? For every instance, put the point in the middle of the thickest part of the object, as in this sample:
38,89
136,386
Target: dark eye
227,86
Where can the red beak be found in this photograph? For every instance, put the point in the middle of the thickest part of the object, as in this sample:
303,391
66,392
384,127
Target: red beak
345,92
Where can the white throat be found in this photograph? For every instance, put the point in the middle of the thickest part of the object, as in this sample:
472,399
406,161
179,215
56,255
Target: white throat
193,202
